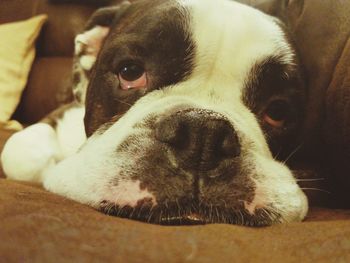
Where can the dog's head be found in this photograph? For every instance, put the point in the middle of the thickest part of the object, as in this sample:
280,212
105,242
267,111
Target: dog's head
187,105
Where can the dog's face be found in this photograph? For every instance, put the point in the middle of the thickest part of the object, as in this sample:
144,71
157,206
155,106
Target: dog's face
187,104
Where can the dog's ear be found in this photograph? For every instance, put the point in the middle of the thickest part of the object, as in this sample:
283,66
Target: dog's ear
88,45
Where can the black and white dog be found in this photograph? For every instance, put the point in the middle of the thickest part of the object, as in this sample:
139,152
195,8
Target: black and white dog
186,105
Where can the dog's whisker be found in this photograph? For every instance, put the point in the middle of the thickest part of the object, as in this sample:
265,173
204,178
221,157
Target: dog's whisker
293,153
241,217
140,210
317,189
123,102
269,215
109,208
217,213
179,209
151,212
278,154
310,180
119,211
132,212
160,216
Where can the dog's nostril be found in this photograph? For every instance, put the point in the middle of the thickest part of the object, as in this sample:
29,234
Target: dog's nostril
230,145
173,132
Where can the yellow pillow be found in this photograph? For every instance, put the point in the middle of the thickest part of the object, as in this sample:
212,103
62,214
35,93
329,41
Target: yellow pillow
17,52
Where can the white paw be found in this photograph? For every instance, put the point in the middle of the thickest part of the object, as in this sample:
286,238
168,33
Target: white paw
28,153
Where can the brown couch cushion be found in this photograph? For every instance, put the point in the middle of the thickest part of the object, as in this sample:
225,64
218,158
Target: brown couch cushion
337,126
37,226
49,85
17,53
51,73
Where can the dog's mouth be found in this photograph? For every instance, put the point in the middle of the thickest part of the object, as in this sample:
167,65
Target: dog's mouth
188,219
176,214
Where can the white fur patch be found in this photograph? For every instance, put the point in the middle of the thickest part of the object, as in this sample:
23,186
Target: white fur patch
128,193
259,201
70,130
29,152
88,44
87,176
87,61
277,189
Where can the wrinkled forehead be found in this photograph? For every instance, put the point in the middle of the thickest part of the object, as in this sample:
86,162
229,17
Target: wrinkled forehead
228,37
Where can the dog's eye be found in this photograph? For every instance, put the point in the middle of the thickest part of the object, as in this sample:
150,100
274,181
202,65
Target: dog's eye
276,113
132,76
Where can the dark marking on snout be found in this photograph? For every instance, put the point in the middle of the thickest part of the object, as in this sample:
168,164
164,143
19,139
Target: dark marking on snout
188,179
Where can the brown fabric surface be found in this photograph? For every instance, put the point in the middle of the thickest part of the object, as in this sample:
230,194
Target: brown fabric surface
321,30
37,226
49,85
337,126
338,103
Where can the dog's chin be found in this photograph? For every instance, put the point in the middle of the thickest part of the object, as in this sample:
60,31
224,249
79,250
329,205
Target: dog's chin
175,214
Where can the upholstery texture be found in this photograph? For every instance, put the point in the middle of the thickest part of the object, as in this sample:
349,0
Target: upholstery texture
338,119
37,226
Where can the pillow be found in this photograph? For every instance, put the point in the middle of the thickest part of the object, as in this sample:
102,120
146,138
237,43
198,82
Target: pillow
17,52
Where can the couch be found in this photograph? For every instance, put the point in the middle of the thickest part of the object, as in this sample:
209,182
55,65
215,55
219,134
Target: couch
38,226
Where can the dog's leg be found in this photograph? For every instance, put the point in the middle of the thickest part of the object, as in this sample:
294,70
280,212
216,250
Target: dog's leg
28,153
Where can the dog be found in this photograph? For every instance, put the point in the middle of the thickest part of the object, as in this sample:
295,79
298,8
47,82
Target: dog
185,104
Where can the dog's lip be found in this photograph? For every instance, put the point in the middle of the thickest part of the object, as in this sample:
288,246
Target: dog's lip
172,216
189,219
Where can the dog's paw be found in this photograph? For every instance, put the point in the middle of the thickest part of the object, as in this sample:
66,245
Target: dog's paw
28,153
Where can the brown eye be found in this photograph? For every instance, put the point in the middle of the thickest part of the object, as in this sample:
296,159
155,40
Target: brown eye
132,76
276,113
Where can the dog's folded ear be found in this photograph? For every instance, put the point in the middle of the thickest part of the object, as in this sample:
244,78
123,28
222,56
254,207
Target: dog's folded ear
105,16
89,43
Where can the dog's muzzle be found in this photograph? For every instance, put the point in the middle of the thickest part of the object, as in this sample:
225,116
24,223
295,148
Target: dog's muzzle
200,151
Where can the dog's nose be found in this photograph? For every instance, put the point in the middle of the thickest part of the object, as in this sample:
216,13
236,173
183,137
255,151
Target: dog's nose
200,139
